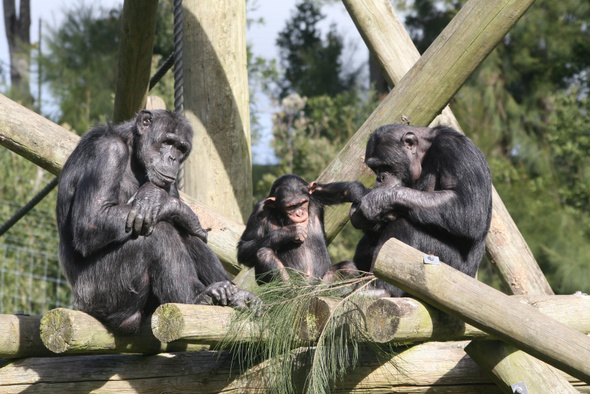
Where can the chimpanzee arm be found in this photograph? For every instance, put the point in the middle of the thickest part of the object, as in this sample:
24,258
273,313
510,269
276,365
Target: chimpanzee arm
461,199
97,217
340,192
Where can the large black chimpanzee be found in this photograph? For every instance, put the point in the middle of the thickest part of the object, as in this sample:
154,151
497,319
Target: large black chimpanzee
127,242
286,229
433,191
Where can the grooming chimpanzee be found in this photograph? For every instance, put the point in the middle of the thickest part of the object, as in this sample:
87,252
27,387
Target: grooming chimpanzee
286,229
127,242
433,191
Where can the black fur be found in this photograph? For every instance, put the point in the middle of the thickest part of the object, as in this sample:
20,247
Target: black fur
127,242
433,191
271,240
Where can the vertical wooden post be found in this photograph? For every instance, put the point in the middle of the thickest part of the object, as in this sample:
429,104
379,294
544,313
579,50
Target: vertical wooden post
219,170
138,29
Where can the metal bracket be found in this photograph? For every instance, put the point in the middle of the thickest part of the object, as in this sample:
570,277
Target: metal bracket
519,388
431,259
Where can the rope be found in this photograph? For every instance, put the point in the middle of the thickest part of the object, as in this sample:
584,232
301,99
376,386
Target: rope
178,75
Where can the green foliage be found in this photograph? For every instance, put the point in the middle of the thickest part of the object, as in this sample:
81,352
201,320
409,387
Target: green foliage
288,363
81,68
312,66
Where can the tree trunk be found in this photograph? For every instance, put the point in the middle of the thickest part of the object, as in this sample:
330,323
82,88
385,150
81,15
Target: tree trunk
17,29
219,170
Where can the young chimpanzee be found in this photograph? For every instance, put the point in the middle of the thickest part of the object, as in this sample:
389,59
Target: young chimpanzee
286,229
127,242
433,191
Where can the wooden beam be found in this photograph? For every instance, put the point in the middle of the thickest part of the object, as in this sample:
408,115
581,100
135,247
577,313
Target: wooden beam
20,337
509,366
395,54
74,332
201,324
136,45
485,308
424,368
407,320
216,97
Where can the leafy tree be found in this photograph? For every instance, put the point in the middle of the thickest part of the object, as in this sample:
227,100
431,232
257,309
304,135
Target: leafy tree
312,66
81,68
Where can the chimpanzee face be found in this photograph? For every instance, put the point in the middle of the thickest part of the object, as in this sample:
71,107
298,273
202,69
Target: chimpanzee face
289,196
163,142
391,154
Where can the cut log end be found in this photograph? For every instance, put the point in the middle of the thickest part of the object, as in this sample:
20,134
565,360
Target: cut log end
56,330
167,323
383,320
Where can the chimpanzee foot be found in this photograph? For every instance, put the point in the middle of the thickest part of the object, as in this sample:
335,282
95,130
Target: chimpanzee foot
218,293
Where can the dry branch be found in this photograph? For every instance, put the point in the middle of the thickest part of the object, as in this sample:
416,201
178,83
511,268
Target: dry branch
485,308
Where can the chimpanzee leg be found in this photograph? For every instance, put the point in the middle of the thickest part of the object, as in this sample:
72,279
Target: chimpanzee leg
114,286
173,273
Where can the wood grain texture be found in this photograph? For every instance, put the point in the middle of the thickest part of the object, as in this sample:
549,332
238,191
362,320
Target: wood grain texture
485,308
216,102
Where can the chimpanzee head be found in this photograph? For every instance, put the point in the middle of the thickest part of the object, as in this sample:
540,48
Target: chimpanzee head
162,140
394,153
289,197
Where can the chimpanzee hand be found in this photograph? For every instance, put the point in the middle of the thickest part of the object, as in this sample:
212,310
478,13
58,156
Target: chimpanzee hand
180,215
299,232
218,293
146,205
377,206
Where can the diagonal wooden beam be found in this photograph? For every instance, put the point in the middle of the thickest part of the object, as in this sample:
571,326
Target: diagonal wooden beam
423,86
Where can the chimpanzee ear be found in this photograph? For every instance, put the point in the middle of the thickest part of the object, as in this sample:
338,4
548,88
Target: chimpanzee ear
270,202
144,121
410,141
312,186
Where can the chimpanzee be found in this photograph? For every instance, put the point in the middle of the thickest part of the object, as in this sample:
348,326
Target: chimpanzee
127,242
286,229
433,191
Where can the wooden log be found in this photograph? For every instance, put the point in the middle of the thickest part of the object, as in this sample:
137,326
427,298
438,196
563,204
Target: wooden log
510,366
219,172
136,46
429,367
395,54
321,309
68,331
49,145
202,324
485,308
20,337
406,320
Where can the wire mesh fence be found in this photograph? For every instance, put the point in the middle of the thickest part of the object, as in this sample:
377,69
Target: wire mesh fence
31,281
